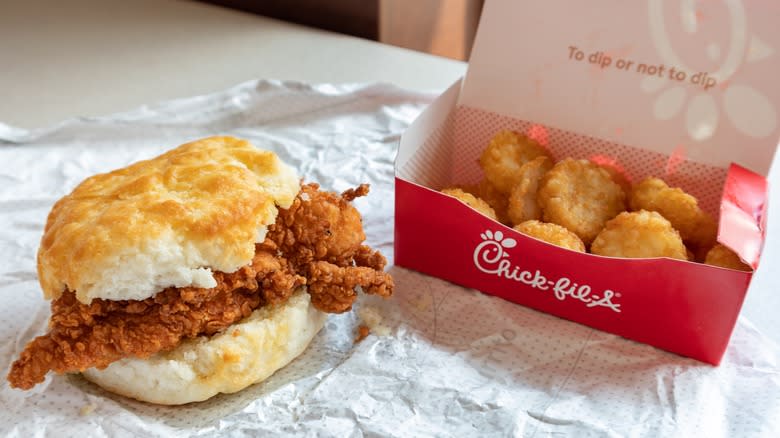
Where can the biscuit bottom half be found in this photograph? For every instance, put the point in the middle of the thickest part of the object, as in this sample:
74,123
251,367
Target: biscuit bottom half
247,352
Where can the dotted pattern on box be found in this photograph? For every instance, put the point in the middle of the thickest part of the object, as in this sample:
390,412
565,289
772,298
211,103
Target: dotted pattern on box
432,164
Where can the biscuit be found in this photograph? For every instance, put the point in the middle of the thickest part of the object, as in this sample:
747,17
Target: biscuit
168,221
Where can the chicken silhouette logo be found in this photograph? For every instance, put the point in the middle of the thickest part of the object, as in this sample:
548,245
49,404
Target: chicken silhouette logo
723,49
491,250
491,257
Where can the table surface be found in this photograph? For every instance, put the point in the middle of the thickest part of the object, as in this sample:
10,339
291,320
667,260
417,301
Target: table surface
96,57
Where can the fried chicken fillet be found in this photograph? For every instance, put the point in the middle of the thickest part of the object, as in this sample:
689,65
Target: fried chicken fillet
316,242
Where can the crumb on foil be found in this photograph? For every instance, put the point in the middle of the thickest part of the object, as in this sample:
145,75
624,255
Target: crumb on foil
363,332
423,303
373,321
87,409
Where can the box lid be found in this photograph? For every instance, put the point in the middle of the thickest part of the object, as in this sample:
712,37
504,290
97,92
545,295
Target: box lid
688,78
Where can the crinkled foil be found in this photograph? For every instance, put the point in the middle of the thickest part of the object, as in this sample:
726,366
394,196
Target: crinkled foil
444,360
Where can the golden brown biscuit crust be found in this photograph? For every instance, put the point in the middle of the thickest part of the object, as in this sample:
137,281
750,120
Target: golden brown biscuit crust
163,222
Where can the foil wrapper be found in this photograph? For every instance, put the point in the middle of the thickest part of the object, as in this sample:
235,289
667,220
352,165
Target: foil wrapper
441,360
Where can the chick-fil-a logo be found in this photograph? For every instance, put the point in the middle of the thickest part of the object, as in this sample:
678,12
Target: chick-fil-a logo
491,257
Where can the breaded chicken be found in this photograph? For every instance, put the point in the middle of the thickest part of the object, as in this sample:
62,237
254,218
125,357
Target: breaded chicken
321,234
94,335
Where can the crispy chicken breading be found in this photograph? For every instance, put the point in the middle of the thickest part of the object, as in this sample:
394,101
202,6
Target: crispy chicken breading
83,336
321,234
332,287
317,242
319,226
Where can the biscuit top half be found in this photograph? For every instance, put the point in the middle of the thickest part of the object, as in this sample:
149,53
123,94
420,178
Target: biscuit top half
165,222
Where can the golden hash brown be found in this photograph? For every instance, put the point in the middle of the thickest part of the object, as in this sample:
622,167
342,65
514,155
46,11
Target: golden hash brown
488,193
618,176
696,227
640,234
721,256
580,196
522,199
472,201
504,156
551,233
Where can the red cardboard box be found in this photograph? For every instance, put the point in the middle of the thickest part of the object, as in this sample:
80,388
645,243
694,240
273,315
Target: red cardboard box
685,92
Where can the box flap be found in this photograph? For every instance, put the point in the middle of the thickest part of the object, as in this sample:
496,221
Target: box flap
694,79
743,214
434,116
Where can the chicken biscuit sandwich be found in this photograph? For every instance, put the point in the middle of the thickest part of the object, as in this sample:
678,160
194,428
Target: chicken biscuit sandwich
200,271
